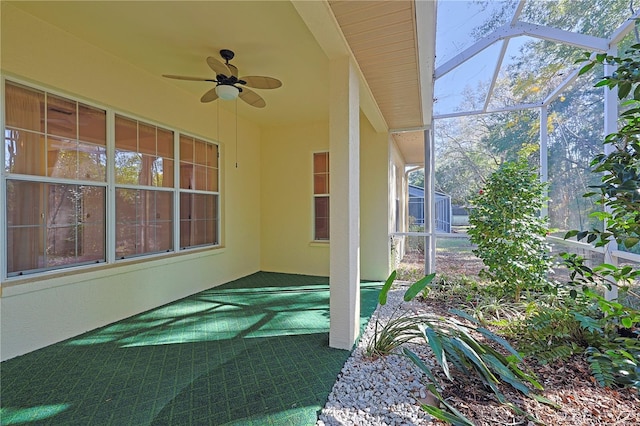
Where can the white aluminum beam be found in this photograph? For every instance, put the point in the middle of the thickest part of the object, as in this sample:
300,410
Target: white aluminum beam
429,204
544,157
518,11
496,73
610,126
573,76
497,35
622,31
479,112
519,28
524,29
543,32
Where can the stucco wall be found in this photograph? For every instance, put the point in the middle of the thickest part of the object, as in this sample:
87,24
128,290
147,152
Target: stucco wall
266,200
286,184
374,203
58,306
287,205
399,195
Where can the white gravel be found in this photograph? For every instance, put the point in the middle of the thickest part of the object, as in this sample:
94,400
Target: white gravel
382,391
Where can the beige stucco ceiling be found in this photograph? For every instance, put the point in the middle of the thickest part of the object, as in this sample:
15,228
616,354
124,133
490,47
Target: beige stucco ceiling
175,37
270,38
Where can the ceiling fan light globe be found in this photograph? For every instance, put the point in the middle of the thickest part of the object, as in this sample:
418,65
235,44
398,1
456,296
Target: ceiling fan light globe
227,92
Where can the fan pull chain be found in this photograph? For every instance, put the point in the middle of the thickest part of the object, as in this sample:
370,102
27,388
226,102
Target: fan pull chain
236,133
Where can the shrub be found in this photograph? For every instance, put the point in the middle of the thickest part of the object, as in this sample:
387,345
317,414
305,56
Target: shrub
616,359
509,234
454,346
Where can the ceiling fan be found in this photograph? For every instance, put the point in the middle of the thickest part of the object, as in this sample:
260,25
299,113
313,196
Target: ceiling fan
229,86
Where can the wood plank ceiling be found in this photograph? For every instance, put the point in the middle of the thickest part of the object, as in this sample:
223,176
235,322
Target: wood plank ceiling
382,37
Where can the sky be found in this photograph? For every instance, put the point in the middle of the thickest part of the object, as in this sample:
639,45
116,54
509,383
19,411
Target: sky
455,22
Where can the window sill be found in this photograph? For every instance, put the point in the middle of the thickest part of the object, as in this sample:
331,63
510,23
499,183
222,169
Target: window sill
319,243
16,286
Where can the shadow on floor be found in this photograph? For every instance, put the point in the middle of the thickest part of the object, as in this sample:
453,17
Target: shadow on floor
251,352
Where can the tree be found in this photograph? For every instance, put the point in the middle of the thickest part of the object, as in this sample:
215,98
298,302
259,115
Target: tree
416,178
472,147
462,161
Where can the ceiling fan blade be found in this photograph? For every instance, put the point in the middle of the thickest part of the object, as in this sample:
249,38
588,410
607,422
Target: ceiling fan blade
252,98
210,96
233,69
182,77
260,82
218,67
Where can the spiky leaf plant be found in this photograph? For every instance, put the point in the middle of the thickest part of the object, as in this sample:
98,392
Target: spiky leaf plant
454,346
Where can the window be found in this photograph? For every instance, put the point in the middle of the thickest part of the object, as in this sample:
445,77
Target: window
321,196
144,188
198,192
63,187
55,165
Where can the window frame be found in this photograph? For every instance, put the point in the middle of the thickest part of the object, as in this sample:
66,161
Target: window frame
316,196
198,192
149,188
109,185
46,179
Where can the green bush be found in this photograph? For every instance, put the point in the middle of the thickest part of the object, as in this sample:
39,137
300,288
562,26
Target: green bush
615,359
509,234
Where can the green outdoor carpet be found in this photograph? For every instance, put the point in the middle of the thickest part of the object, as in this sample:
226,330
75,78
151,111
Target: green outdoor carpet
251,352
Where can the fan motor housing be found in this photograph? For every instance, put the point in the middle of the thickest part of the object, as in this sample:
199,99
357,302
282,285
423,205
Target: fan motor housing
227,54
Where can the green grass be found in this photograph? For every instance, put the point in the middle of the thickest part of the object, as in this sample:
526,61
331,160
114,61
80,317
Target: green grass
453,244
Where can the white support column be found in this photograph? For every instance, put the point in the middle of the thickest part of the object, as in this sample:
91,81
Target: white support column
344,171
544,156
610,126
429,205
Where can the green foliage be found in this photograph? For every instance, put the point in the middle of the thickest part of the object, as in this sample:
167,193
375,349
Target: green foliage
617,366
454,290
397,331
488,308
410,272
601,368
414,242
417,287
454,346
584,279
382,297
417,178
549,334
485,302
619,191
451,415
510,236
612,359
514,131
464,161
401,326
